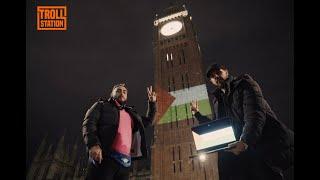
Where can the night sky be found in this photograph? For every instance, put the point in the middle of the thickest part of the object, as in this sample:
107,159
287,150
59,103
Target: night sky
109,42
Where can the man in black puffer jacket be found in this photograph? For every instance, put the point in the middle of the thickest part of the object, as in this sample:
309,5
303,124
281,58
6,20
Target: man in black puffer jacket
114,134
265,146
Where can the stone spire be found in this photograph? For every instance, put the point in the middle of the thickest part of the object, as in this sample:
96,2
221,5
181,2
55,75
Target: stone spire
49,152
41,148
60,150
74,151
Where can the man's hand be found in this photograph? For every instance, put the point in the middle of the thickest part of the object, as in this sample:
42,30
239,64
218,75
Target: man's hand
152,96
95,153
194,107
237,147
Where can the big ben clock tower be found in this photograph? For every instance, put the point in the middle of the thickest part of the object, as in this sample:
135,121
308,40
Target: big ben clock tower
179,79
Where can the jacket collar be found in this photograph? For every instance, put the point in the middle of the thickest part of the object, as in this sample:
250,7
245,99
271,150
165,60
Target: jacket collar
231,83
226,88
118,105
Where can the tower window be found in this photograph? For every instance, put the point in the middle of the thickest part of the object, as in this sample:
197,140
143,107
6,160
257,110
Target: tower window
187,79
180,166
192,165
174,87
167,59
205,174
171,116
183,56
171,58
182,80
176,110
179,152
186,107
169,87
173,153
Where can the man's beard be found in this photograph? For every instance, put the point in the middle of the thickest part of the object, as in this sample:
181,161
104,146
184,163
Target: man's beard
221,83
120,101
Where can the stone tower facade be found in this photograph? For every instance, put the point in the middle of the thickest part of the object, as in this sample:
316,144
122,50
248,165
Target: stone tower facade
179,79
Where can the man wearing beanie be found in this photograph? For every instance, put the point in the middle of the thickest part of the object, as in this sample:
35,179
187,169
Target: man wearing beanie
114,134
264,146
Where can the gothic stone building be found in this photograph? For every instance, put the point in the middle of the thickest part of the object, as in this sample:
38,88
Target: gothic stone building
57,162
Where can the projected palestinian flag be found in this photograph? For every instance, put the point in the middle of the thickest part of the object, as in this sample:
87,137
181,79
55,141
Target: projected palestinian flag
180,107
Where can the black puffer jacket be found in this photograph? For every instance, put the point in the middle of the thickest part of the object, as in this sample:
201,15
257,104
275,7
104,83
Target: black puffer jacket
254,121
101,123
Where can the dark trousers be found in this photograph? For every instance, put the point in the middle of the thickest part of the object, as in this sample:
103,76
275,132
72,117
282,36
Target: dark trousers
109,169
245,166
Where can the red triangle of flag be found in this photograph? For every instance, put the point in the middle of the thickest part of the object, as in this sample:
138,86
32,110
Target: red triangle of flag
164,101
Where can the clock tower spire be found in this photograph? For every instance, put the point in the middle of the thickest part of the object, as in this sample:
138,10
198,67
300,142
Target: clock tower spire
179,79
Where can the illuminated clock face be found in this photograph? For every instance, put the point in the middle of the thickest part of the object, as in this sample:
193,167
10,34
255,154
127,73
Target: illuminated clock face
171,28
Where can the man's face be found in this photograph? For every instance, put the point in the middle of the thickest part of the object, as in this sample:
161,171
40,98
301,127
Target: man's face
121,94
218,78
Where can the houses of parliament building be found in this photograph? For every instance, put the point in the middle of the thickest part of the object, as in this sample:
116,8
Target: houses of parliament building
178,76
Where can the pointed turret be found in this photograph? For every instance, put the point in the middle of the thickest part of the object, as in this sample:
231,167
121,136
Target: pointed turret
41,148
34,168
74,151
77,169
49,152
60,150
